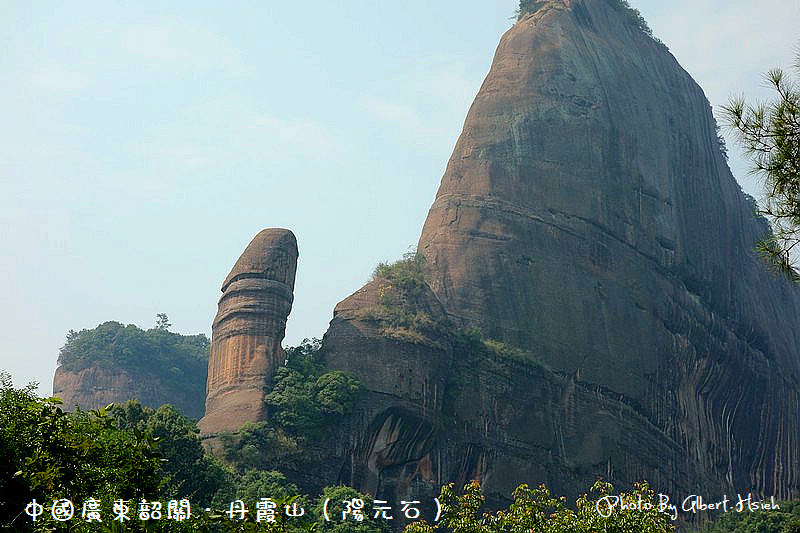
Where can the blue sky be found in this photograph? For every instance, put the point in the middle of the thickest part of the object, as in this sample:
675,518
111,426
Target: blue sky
142,146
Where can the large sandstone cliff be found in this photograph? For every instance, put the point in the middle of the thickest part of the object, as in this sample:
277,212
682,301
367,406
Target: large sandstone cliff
587,218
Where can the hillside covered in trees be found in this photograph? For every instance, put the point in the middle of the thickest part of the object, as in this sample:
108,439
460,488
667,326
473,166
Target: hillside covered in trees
114,362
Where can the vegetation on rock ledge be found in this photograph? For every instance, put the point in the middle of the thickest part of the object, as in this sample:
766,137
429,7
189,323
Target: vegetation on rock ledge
471,343
632,15
402,293
304,402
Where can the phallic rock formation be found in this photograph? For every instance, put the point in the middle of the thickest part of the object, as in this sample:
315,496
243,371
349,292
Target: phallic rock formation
97,386
588,218
248,329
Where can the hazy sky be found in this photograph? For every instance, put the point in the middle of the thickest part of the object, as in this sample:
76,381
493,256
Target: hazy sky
142,146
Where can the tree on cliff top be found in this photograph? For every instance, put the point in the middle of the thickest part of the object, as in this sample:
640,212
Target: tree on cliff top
770,135
162,322
632,14
132,348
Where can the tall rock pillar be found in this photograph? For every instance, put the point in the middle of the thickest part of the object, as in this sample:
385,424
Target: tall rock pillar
248,329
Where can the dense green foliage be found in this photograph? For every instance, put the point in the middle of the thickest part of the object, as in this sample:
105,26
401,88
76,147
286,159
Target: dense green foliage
257,445
180,357
785,520
340,494
254,484
770,135
303,403
538,510
185,471
304,399
47,454
130,452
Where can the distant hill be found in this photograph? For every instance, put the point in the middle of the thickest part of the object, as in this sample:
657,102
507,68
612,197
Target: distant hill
114,363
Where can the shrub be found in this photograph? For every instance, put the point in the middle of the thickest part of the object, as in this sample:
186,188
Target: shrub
403,285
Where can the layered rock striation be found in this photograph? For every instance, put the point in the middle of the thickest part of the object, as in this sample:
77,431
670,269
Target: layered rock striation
248,329
587,219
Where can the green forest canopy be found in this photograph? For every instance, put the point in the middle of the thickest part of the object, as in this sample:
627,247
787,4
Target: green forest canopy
132,348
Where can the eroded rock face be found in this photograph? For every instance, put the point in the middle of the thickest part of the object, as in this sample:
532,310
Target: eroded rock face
588,217
97,386
388,441
248,329
437,411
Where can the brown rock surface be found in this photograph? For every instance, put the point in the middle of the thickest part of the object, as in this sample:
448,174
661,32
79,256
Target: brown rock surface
248,329
588,217
97,386
389,439
435,411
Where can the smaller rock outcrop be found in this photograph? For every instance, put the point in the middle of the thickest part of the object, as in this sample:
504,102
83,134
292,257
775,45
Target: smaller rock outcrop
392,333
114,363
248,329
97,386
